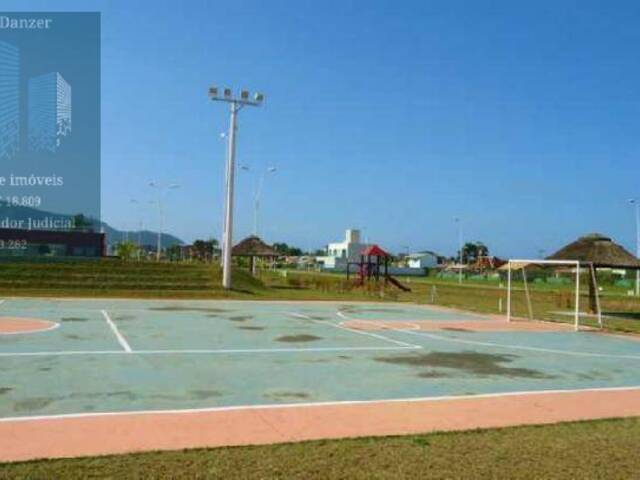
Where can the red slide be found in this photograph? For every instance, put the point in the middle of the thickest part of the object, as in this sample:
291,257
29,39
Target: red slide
395,282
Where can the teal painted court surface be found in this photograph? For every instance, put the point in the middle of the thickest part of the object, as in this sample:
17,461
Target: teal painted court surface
131,355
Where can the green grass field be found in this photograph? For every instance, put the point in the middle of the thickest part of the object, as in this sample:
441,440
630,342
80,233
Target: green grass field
584,450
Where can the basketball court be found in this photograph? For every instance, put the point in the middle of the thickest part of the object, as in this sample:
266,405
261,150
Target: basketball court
86,377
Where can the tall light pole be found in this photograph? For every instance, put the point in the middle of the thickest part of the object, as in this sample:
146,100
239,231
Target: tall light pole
635,203
223,136
161,192
457,220
133,201
256,198
236,104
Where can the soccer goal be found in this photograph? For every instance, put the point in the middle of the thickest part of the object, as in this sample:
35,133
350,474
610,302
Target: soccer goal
549,290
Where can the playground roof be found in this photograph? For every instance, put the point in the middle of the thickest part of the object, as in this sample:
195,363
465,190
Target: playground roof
597,249
374,251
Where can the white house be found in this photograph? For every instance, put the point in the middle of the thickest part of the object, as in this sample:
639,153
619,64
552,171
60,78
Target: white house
339,253
424,259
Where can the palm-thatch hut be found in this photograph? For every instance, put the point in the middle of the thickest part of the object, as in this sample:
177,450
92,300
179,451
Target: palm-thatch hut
597,251
253,247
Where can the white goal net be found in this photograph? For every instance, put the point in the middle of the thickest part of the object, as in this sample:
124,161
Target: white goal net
550,290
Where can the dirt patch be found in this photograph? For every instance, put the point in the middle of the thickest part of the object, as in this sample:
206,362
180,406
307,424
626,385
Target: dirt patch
180,308
240,318
74,319
31,404
298,338
71,336
4,390
456,329
475,363
251,327
287,395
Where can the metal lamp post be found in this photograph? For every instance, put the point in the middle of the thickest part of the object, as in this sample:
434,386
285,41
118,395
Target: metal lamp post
258,194
161,191
457,220
635,203
236,104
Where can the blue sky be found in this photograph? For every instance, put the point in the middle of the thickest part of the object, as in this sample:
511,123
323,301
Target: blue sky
521,118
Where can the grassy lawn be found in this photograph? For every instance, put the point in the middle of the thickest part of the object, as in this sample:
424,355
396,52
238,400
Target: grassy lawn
584,450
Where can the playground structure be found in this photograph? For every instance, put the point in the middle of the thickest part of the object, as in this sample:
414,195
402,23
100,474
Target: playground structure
374,264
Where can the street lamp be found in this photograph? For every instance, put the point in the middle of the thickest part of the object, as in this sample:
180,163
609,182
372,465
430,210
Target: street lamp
457,220
256,198
236,104
636,204
137,203
161,192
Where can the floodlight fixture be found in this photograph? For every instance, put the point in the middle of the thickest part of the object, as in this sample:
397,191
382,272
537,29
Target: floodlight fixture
237,103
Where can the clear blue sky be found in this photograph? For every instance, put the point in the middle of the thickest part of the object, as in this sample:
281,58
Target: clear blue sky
522,118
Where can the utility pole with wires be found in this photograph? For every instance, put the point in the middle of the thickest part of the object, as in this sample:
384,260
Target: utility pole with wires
236,104
635,203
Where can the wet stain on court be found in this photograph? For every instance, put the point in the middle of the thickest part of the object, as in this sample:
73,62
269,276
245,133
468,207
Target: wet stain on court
287,395
240,318
298,338
475,363
4,390
251,327
205,394
457,329
31,404
180,308
433,374
124,317
74,319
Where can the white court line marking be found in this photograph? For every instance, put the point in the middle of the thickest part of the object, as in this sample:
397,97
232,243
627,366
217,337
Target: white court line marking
514,347
121,340
62,416
359,332
500,345
201,351
383,324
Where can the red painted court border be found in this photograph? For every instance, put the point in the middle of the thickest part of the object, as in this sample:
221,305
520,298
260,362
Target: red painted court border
18,325
119,432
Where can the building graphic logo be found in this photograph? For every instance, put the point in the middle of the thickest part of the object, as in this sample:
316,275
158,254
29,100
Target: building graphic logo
49,112
9,100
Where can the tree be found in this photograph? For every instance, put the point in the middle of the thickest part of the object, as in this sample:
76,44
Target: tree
285,249
127,250
471,251
82,223
205,249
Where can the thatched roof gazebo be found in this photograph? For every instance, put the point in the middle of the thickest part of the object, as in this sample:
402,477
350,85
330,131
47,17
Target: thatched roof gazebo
253,247
597,251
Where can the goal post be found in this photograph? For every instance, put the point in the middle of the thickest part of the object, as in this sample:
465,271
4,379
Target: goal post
543,288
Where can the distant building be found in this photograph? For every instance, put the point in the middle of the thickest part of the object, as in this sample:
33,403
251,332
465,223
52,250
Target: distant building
339,253
425,259
44,243
49,112
9,100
